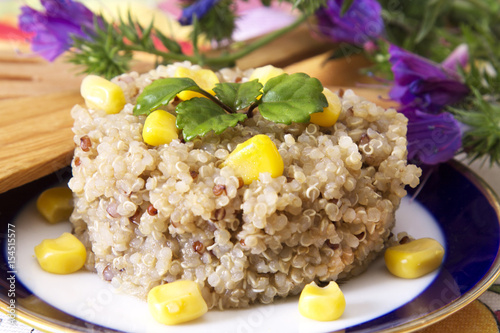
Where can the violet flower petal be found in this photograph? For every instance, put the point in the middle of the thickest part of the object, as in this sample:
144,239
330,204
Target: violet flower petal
432,139
47,46
199,8
408,67
422,83
459,57
65,9
361,23
437,93
54,26
30,20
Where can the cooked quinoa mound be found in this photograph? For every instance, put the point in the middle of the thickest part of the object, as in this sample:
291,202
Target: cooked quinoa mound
152,215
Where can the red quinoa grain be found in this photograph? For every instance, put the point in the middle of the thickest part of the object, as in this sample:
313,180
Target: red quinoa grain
85,143
198,247
219,190
152,210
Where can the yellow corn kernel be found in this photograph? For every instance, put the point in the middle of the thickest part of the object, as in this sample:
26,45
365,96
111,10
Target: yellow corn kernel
323,304
204,78
62,255
101,94
414,259
55,204
159,128
265,73
331,113
254,156
176,302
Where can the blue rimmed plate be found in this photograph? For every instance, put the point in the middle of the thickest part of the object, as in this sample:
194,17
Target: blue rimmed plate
454,207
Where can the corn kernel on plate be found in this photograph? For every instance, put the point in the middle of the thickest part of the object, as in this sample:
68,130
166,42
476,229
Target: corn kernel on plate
454,207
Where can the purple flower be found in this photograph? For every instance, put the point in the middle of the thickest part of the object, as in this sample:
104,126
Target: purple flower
459,57
199,8
422,83
432,138
54,27
362,21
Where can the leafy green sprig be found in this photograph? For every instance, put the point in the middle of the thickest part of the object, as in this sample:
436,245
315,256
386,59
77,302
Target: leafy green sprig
109,49
219,23
480,112
482,139
283,99
105,54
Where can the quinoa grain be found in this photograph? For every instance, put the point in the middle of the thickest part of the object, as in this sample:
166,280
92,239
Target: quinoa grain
85,143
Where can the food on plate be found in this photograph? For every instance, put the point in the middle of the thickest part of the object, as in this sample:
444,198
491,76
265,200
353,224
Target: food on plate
205,78
102,94
55,204
414,259
63,255
159,128
201,208
331,113
263,74
255,156
176,302
322,304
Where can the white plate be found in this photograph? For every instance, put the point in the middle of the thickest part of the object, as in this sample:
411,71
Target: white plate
376,300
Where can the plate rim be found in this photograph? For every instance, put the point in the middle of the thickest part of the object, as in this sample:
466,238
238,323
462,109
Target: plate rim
465,299
486,281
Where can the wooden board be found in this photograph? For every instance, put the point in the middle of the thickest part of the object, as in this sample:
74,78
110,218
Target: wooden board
35,137
23,75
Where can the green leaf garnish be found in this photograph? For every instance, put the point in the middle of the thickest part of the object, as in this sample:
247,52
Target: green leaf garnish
292,98
238,96
161,92
198,116
285,99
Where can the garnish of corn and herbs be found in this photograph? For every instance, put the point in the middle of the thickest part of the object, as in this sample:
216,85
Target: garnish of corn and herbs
439,58
283,99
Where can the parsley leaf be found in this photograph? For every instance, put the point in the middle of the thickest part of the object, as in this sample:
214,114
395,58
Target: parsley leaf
285,99
198,116
292,98
161,92
238,96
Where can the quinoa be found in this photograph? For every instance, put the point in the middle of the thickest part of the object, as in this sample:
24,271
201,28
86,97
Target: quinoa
152,215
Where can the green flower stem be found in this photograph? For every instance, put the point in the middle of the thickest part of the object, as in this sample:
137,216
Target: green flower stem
257,44
225,59
164,55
